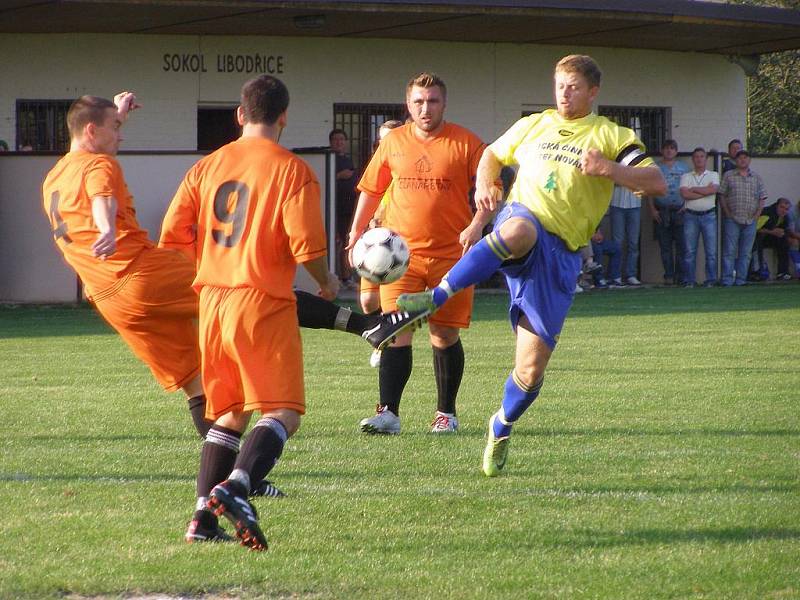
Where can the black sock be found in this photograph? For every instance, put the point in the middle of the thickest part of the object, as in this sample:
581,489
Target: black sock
262,449
314,312
217,458
395,369
197,407
448,366
359,323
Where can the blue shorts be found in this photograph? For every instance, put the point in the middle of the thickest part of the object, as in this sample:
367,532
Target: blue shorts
542,285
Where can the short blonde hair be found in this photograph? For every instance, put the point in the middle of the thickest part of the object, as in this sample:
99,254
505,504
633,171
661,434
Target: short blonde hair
583,64
426,80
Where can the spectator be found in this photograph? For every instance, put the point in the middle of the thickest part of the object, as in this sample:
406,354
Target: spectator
345,199
773,232
742,195
794,238
626,221
667,212
610,248
3,146
728,164
699,188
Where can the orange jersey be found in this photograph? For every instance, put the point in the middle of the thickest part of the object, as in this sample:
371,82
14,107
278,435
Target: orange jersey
431,181
68,190
247,213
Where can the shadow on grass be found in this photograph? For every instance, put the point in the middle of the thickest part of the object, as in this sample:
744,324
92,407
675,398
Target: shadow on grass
589,538
95,478
622,431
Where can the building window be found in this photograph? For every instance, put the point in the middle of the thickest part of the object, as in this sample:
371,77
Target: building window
42,125
651,124
216,127
361,123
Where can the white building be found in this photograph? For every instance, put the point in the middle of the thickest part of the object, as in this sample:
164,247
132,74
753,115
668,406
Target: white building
671,69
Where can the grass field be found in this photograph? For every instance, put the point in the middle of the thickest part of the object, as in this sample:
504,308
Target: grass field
661,461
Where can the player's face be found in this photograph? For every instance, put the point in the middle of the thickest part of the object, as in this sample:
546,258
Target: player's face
107,137
699,161
574,96
426,107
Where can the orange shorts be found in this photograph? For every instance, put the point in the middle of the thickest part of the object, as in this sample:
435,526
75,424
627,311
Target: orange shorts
368,286
252,353
154,309
424,273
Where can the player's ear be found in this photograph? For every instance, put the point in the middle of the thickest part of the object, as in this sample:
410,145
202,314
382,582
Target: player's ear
240,116
283,118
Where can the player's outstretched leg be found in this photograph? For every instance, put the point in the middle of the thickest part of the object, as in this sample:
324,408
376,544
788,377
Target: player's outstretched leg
266,489
229,499
392,324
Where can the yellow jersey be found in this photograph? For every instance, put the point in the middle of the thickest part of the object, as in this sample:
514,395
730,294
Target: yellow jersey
550,183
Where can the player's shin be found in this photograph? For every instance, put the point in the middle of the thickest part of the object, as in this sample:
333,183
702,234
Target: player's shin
477,265
517,398
260,451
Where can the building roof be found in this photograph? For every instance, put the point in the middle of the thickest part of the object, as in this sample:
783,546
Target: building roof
683,25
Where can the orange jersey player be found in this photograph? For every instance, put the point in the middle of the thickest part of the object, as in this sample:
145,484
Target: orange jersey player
431,166
142,291
250,211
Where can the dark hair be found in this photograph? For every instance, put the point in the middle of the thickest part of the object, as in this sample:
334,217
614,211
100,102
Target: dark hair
336,131
742,153
735,141
783,200
264,99
699,149
426,80
87,109
669,144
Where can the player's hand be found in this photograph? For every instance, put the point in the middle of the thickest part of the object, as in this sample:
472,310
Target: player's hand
126,103
487,197
469,237
330,290
105,245
594,163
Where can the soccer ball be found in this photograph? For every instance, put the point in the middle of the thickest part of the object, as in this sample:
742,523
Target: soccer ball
380,255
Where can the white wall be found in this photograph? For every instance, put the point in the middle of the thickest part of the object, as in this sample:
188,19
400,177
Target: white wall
489,84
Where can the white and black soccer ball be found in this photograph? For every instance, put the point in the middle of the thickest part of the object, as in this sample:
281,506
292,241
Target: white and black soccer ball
380,255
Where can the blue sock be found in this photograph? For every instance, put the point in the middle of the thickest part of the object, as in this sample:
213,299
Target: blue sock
516,400
482,260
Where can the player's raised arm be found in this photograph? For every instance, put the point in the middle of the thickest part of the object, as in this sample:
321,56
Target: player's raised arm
647,180
126,103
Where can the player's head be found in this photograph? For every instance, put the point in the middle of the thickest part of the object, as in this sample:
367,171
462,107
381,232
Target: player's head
782,206
94,124
387,126
426,98
733,147
337,138
577,83
264,101
699,158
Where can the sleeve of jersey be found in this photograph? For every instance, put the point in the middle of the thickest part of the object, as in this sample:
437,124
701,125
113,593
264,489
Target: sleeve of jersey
505,146
630,151
179,228
302,220
377,175
101,175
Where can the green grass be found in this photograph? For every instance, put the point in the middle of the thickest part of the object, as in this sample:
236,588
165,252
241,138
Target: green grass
661,461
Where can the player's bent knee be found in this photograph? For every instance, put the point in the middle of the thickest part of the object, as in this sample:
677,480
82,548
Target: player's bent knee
443,337
290,419
519,235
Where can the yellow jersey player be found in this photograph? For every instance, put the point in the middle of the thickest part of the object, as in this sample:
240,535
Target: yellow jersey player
569,160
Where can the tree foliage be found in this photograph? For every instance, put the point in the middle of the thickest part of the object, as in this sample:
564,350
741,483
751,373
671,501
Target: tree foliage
774,96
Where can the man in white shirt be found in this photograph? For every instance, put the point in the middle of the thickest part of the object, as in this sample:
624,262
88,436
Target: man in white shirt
698,189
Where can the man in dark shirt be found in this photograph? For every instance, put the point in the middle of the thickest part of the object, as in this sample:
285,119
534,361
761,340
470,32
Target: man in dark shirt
345,198
773,233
